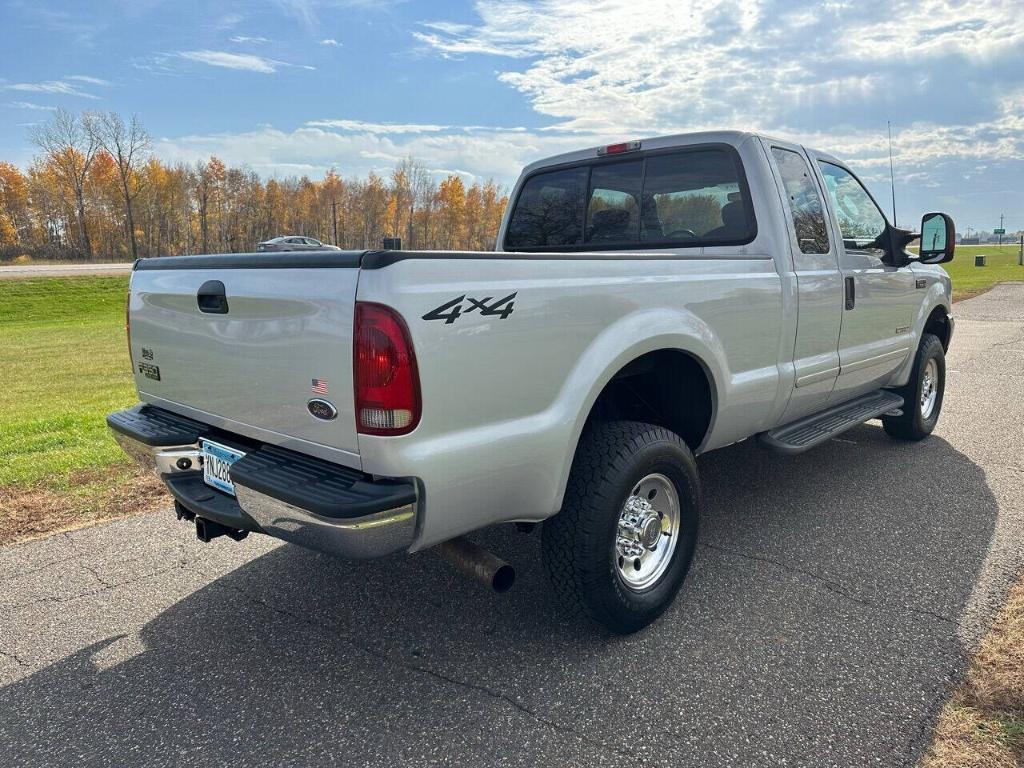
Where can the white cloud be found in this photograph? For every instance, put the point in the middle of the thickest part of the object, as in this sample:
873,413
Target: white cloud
656,66
329,41
56,87
88,79
29,105
247,39
244,61
358,126
496,153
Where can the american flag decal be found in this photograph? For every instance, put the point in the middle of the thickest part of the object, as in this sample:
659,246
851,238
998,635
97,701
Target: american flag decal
320,386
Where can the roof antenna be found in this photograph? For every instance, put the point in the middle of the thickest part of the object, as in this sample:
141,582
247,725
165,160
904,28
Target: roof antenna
892,176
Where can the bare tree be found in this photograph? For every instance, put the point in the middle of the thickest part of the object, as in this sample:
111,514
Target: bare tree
70,145
129,146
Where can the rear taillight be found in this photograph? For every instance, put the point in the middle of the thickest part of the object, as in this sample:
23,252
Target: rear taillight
387,384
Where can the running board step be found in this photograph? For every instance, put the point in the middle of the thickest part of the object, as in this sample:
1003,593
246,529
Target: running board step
805,433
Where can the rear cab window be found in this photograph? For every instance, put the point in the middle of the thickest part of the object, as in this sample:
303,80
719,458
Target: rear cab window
686,197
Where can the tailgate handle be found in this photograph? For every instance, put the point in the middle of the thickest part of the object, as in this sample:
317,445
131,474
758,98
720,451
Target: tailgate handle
211,298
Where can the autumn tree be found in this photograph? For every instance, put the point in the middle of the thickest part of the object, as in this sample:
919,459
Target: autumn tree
15,218
70,145
128,146
94,189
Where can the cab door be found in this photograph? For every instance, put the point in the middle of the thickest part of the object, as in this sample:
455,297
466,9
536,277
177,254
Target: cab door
879,300
818,280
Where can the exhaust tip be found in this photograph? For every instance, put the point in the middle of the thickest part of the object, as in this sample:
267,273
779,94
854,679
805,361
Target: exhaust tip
477,563
503,579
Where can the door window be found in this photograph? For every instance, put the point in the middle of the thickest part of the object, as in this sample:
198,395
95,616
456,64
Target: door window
804,201
861,223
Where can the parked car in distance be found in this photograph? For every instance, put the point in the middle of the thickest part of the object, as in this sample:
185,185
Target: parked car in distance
648,302
294,243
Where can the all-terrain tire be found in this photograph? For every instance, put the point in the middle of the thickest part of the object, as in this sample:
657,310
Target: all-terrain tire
579,543
929,375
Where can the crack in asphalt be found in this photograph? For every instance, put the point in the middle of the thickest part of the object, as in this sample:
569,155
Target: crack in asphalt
828,584
390,659
15,658
107,586
39,568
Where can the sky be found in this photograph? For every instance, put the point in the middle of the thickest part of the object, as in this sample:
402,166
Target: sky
292,87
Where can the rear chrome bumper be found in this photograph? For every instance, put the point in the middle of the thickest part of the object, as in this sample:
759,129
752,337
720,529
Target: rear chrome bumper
290,496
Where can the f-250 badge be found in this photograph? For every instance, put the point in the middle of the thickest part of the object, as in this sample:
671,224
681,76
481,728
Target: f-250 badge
450,311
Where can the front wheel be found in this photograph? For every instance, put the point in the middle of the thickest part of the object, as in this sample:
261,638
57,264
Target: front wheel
619,549
922,395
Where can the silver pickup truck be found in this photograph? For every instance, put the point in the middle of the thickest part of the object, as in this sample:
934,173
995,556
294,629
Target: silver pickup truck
648,302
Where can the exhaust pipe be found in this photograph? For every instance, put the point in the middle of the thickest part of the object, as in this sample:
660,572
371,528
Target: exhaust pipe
208,530
476,562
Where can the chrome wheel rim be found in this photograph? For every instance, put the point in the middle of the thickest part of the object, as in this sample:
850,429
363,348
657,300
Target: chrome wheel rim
929,388
648,532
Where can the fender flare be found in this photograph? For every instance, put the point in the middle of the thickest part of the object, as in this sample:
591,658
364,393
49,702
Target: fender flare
623,342
936,298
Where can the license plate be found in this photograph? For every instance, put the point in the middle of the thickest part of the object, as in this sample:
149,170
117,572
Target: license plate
217,461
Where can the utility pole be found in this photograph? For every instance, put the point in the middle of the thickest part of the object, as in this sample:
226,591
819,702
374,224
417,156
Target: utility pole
1001,217
334,219
892,176
1020,256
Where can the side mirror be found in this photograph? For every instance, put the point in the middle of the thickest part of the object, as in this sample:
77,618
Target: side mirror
938,239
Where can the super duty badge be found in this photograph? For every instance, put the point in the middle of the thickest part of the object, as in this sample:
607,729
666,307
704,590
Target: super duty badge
450,311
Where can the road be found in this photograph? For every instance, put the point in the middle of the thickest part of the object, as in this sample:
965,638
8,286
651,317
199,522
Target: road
830,608
62,270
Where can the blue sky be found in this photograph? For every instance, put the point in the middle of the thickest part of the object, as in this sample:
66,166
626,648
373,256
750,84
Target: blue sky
481,88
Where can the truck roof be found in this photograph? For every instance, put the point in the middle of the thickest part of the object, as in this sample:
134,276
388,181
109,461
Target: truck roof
732,137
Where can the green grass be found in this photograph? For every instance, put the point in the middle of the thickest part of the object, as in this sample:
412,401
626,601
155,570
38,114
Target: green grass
969,280
63,366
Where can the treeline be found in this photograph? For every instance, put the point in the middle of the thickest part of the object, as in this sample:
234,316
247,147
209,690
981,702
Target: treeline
96,192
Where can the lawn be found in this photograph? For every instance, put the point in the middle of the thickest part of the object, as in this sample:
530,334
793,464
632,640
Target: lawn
63,367
969,280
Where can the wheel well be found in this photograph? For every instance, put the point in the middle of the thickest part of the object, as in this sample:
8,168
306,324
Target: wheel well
667,387
938,324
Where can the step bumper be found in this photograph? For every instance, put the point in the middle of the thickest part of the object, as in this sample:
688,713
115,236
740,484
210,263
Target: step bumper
291,496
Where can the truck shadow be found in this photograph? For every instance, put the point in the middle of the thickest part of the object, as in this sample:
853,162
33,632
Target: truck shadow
820,620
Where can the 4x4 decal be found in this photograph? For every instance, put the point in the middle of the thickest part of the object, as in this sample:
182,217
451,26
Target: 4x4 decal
450,311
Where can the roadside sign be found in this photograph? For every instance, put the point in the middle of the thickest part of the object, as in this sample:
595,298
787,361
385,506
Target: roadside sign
999,231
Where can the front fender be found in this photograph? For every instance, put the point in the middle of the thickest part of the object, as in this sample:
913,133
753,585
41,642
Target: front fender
937,295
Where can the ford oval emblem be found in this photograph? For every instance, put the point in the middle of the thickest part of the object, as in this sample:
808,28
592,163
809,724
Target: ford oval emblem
322,409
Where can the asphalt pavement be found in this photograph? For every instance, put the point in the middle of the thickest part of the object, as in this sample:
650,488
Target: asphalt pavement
832,605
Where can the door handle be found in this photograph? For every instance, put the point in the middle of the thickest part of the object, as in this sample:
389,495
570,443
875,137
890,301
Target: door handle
851,293
212,298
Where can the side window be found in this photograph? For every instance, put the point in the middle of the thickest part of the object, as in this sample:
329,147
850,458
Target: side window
549,210
311,241
804,201
613,210
860,221
694,196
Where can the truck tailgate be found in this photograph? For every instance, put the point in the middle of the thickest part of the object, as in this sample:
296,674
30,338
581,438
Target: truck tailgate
284,339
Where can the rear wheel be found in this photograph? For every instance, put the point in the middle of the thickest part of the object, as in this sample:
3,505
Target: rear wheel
623,542
922,395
